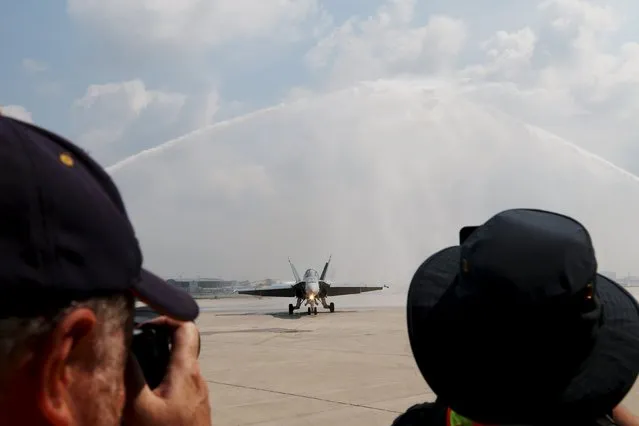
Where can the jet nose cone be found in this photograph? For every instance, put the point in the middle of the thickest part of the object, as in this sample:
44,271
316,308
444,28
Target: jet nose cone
312,289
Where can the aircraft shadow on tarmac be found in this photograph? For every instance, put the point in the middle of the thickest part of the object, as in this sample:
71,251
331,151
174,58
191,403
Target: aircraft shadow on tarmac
285,315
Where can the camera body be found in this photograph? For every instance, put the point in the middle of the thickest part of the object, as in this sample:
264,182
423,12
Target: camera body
151,346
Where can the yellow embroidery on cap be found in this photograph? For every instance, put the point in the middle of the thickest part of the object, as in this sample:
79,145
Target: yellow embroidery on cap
589,291
66,159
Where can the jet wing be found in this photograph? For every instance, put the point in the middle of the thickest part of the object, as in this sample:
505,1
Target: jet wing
333,290
273,291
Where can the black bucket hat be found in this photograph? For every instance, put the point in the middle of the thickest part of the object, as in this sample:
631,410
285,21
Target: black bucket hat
515,325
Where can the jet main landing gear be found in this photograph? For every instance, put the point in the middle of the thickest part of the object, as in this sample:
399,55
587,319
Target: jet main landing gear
291,308
330,307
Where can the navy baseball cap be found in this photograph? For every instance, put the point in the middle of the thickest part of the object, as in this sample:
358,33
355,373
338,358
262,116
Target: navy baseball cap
64,229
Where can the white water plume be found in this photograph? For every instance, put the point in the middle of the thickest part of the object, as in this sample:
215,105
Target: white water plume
381,175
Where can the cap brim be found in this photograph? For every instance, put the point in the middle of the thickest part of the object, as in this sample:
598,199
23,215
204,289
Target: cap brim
606,375
166,299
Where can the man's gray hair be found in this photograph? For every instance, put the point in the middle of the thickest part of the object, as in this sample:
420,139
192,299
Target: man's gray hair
19,335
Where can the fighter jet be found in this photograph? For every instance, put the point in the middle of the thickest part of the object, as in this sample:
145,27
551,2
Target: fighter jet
311,289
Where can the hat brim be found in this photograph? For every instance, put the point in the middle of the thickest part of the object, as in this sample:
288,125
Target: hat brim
164,298
603,380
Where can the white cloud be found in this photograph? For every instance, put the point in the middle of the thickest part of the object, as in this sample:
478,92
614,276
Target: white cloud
572,78
211,108
581,15
381,174
16,111
189,24
116,119
32,66
509,52
571,67
387,44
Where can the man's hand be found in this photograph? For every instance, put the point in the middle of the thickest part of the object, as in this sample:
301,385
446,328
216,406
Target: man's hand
623,417
182,399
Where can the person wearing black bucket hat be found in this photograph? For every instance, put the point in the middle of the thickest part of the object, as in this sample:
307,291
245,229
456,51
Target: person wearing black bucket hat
71,271
514,326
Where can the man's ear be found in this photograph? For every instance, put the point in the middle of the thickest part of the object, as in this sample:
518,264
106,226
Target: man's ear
67,349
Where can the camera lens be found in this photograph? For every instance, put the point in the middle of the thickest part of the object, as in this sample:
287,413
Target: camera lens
151,346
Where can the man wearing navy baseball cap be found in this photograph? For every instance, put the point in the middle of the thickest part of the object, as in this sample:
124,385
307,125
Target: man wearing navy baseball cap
70,273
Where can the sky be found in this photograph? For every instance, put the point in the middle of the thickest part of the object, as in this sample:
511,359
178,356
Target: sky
242,132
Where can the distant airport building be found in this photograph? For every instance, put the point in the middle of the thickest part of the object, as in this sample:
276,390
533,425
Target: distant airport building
188,285
214,283
630,281
205,285
627,281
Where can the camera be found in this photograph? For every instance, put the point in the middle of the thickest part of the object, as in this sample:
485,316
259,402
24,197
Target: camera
151,346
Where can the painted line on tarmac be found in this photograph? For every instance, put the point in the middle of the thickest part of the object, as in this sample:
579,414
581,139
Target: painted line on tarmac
304,396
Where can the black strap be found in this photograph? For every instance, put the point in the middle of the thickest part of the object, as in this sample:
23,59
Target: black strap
605,421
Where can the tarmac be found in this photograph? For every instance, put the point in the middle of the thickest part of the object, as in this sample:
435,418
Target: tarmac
353,366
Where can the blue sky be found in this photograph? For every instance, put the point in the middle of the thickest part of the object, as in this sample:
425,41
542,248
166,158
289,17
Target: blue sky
249,70
119,77
32,29
73,57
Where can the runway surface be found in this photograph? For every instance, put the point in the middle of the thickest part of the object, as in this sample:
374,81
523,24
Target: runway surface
351,367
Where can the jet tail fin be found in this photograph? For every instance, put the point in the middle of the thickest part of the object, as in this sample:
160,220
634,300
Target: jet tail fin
295,274
323,277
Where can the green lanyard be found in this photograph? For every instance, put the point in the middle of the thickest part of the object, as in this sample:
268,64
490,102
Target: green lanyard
455,419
